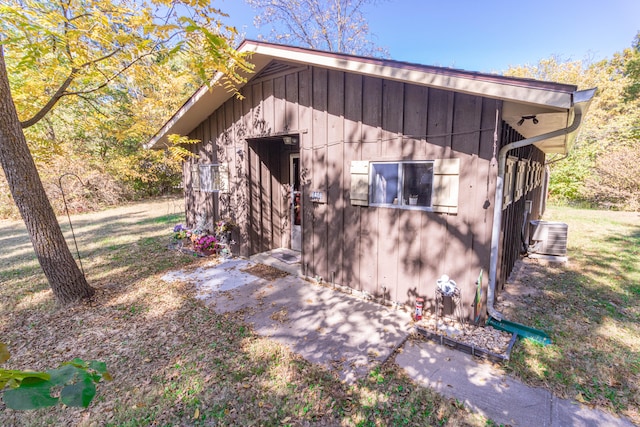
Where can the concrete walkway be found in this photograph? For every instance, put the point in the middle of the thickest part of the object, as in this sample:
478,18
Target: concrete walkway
350,336
485,389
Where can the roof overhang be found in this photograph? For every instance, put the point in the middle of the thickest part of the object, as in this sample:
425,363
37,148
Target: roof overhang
548,121
551,103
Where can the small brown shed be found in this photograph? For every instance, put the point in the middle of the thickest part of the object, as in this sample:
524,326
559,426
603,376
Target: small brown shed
383,174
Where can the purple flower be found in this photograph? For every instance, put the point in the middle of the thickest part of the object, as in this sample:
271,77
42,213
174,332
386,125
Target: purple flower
178,228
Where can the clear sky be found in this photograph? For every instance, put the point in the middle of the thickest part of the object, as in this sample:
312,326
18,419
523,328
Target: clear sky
488,35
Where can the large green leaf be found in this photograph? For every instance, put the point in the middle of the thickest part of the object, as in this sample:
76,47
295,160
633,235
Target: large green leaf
13,378
79,394
33,393
98,366
64,374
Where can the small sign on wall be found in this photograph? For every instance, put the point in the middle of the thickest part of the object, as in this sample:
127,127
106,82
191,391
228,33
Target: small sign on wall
318,196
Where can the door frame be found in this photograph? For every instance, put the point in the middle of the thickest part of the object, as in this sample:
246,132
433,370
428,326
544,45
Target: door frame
296,229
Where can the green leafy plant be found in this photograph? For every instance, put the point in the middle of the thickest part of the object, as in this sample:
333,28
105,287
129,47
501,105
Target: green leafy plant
72,383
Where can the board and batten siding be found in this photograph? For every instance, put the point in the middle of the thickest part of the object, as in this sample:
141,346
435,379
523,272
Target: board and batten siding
513,229
340,117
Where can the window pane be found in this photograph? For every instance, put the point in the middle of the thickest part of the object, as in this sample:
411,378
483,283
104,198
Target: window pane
417,183
384,185
209,177
205,178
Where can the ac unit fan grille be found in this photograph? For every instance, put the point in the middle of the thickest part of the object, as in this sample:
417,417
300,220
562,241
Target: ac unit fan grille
548,238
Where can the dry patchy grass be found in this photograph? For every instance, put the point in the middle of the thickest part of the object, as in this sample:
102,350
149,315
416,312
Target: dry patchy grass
591,308
175,361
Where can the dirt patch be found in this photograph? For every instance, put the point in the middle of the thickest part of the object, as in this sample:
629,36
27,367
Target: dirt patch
265,272
524,286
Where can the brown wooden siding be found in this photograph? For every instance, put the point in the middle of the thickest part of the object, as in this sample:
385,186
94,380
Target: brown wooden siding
512,235
340,117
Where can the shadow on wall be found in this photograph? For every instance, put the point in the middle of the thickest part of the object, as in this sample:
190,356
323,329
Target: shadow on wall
394,254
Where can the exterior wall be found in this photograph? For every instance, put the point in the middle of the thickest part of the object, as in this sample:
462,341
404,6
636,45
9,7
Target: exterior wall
392,253
513,218
206,203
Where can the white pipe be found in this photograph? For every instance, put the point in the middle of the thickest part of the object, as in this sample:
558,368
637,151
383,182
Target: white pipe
585,97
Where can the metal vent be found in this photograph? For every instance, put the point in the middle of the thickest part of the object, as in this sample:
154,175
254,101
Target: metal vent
548,238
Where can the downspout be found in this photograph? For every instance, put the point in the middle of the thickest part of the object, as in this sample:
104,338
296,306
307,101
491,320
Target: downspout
583,97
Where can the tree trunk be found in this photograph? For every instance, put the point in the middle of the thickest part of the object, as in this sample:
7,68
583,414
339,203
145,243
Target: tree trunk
65,278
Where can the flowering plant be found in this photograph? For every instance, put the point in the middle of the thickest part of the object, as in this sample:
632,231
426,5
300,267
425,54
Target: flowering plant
181,232
206,242
224,226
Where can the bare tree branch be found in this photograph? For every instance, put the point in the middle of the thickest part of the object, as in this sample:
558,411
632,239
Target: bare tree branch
334,25
52,101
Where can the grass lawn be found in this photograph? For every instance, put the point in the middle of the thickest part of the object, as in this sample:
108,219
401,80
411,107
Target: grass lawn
591,309
174,361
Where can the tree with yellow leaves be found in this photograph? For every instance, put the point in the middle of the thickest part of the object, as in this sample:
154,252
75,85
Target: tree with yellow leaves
63,50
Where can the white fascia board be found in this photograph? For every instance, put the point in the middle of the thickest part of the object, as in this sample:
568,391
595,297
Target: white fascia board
180,123
201,104
210,97
468,85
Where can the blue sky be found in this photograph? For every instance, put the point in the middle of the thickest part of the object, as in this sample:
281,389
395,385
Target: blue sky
488,35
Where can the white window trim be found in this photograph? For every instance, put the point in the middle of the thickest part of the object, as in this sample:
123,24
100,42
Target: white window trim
400,204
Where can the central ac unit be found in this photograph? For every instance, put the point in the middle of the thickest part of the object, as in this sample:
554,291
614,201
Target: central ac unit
548,238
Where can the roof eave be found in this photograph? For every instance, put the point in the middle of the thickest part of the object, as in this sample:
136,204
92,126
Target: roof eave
556,97
492,86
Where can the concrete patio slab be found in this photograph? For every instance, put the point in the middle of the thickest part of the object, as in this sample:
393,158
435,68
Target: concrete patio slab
330,328
216,277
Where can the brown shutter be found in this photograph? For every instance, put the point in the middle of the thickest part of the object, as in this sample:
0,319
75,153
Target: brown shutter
521,179
223,178
508,183
359,183
446,178
195,177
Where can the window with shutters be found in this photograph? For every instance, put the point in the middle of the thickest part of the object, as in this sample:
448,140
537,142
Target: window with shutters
421,185
209,178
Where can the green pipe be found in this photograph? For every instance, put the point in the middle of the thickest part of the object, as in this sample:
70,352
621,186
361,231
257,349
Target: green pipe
522,330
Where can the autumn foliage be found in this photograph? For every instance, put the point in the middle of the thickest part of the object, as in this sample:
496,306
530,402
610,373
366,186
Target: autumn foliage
602,170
